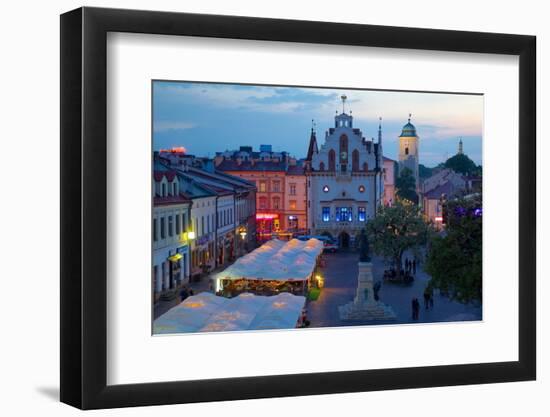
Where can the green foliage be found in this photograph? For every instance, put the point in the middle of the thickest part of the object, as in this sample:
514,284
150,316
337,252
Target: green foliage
462,164
424,171
455,259
313,294
396,229
406,186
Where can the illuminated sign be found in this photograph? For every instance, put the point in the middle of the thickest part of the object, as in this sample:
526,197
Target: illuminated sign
176,149
266,216
439,219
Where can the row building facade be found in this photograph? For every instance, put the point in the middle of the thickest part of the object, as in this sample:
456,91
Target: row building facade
280,187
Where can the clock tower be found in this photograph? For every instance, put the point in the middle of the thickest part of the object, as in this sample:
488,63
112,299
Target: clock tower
408,150
344,180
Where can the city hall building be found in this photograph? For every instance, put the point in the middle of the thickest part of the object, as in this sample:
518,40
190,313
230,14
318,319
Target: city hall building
344,180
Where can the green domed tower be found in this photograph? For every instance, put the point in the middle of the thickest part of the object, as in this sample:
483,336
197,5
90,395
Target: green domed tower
409,149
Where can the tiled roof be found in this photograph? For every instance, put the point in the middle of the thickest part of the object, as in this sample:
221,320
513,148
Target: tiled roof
231,165
446,188
172,199
169,174
295,170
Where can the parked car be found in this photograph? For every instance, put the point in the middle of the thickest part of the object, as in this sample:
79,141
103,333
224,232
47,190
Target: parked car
330,246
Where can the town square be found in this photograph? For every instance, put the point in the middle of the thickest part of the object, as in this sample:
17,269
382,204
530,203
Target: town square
296,215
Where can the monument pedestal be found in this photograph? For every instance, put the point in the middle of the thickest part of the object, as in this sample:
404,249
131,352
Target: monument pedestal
364,307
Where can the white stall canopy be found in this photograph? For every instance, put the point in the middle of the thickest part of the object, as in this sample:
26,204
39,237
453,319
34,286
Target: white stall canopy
206,312
276,260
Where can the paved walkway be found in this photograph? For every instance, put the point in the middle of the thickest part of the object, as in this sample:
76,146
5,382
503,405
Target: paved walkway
163,306
340,287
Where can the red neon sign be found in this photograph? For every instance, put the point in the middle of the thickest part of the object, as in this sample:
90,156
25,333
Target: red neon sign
266,216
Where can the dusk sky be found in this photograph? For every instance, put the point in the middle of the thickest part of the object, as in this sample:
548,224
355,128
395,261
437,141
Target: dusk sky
206,118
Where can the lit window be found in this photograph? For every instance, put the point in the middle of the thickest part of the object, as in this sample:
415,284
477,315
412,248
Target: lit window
263,187
326,214
344,214
292,204
362,214
361,188
325,189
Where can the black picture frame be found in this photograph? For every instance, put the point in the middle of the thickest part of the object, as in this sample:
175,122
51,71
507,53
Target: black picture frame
84,207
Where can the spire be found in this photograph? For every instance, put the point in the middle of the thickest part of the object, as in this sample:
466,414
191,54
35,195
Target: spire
460,149
380,130
312,149
410,115
344,98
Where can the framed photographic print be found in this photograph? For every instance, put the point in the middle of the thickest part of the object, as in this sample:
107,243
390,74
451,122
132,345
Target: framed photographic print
257,208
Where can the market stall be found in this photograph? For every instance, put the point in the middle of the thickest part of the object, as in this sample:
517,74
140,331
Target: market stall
275,267
207,312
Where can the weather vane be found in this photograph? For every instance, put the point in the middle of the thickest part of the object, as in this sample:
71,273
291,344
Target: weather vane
344,98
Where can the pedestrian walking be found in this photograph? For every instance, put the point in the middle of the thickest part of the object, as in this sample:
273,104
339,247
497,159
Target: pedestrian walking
426,298
415,308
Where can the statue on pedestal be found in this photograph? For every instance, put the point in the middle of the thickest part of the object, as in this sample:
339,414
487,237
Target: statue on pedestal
366,305
364,255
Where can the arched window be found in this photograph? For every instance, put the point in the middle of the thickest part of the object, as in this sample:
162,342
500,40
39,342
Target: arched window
322,166
406,151
355,160
331,160
343,149
365,167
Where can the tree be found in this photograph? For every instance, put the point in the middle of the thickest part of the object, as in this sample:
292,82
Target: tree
461,164
396,229
424,171
406,186
455,259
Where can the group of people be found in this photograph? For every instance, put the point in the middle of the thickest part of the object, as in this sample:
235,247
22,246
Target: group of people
410,266
428,302
186,292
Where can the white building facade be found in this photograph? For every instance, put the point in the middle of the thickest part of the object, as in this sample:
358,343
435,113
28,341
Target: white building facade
171,255
344,181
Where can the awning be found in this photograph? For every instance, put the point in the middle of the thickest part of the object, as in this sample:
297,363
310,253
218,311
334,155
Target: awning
206,312
175,258
276,260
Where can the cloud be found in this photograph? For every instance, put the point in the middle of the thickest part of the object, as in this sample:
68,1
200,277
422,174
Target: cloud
166,125
249,98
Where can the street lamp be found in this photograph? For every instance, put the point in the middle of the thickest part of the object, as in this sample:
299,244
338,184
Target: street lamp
191,235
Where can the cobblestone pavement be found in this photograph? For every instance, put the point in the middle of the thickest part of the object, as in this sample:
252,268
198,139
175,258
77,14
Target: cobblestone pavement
340,276
163,306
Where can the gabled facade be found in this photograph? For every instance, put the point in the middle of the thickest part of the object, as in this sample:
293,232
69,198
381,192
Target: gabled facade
345,184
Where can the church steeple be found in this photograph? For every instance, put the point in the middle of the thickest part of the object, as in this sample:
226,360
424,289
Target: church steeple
380,131
460,149
313,148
